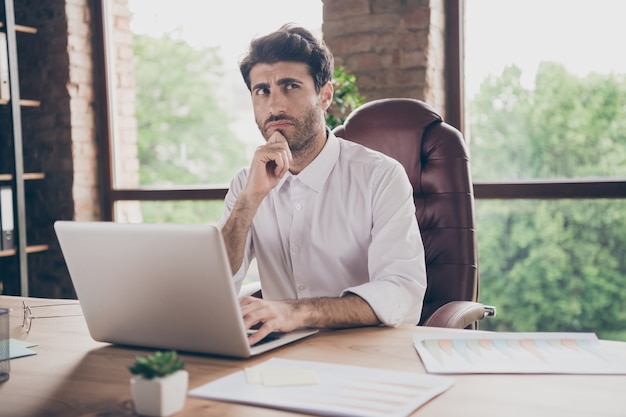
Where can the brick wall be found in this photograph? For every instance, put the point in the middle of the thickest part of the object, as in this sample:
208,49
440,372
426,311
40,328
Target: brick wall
395,48
56,67
125,128
80,87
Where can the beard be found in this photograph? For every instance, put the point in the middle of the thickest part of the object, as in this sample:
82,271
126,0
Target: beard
305,128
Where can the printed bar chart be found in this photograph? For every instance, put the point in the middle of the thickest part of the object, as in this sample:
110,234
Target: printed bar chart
484,352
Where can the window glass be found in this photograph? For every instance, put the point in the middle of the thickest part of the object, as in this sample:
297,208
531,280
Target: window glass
182,112
553,265
546,88
185,211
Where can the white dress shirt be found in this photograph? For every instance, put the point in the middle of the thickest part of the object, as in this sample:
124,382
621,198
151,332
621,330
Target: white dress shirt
345,223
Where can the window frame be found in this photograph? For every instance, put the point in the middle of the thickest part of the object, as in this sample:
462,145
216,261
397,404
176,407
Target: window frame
455,115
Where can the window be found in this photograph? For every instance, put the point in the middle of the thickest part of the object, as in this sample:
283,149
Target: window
181,117
546,88
546,94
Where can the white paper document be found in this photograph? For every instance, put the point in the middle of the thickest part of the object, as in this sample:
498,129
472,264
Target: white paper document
512,353
20,348
326,389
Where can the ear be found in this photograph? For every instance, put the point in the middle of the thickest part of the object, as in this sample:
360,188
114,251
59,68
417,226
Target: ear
326,95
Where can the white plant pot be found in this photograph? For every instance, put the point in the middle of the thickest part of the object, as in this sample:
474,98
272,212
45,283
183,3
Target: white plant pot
159,397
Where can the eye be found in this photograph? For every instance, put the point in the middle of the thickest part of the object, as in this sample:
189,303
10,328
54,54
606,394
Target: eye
261,91
291,86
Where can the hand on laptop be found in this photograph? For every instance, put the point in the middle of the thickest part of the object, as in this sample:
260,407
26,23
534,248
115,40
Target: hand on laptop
319,313
270,315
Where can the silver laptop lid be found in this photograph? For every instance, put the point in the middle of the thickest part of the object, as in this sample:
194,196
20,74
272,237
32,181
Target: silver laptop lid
161,286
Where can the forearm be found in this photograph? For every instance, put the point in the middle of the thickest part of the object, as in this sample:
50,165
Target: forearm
326,312
235,230
321,313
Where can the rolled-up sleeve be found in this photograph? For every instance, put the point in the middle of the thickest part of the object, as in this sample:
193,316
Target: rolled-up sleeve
396,261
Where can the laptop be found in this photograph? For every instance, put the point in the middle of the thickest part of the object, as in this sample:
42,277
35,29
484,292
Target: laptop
161,286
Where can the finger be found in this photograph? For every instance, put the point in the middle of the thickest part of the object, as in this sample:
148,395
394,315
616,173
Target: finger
249,304
282,164
277,137
243,301
276,161
257,336
261,333
252,312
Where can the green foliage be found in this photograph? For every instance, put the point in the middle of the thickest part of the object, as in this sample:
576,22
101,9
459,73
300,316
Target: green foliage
345,99
157,365
563,128
196,211
184,136
498,127
551,265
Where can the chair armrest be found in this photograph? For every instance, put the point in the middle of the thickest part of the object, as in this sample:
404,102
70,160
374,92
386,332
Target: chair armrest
251,289
459,314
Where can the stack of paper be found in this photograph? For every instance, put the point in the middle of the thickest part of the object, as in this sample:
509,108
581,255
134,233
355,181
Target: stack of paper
326,389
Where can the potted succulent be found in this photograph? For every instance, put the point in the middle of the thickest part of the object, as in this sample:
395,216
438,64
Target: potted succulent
159,384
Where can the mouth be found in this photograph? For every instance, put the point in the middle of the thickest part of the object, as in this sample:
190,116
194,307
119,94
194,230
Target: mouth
277,125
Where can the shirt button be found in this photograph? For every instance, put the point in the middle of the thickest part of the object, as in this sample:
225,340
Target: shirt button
295,248
301,287
298,207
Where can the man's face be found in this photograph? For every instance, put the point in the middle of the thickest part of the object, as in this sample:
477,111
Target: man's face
285,100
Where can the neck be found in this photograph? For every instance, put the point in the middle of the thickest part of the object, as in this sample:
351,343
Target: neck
303,157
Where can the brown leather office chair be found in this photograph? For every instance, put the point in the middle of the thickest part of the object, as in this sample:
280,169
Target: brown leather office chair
435,157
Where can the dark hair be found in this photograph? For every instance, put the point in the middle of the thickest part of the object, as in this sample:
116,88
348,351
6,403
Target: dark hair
290,43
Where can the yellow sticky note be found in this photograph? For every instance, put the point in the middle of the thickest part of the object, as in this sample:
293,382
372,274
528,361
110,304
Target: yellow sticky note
280,376
253,375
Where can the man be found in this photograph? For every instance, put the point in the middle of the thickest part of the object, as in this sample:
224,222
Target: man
331,223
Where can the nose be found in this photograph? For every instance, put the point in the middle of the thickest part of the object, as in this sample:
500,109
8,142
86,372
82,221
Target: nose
277,104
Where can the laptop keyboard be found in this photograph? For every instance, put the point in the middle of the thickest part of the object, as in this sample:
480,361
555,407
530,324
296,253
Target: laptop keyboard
269,338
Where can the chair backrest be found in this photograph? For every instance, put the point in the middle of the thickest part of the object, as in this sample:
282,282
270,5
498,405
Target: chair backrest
435,157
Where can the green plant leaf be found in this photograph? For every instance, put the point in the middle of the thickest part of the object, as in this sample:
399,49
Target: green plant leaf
345,98
157,365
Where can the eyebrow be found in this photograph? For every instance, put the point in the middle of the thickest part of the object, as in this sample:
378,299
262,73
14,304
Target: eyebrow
282,81
289,80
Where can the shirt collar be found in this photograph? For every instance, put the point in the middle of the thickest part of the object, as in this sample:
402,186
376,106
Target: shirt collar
315,174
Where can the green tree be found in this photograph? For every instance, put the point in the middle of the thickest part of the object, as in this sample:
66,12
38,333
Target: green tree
577,124
184,137
498,124
551,265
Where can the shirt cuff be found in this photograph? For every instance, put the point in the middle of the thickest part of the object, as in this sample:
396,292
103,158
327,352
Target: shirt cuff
392,304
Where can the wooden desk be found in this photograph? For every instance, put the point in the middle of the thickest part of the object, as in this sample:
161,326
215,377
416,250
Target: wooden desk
72,375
